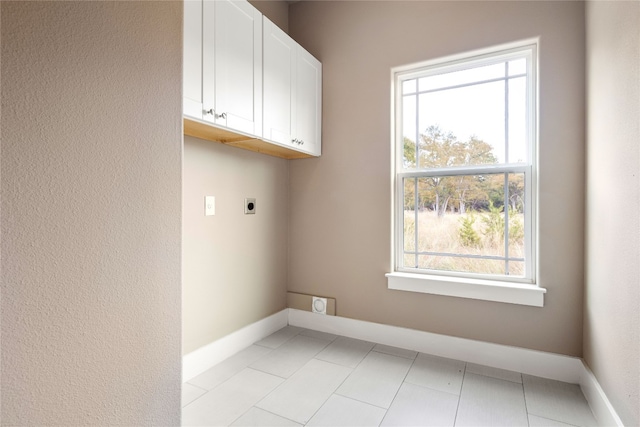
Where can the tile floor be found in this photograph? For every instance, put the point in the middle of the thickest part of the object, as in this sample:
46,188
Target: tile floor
299,377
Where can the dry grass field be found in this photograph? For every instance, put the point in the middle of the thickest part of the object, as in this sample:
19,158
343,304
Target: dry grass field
443,235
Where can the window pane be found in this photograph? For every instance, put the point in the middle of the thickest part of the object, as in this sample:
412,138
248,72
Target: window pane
518,66
410,261
517,120
409,130
409,86
466,265
515,220
464,126
465,216
516,268
409,221
455,78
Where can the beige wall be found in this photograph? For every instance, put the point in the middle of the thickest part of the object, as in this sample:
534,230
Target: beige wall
276,10
612,300
234,265
340,203
91,158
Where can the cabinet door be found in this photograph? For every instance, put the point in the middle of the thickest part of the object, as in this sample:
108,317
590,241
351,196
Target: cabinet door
279,80
308,104
238,27
232,54
192,48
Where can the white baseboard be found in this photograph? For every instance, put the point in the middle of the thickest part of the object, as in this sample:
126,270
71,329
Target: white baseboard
198,361
541,364
538,363
598,401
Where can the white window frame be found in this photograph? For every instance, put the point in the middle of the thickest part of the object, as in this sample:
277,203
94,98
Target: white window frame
516,290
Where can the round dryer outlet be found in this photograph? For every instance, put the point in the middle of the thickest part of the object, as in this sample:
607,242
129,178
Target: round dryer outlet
319,305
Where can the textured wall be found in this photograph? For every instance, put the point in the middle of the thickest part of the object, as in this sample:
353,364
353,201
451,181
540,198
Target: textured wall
91,183
234,265
612,302
341,203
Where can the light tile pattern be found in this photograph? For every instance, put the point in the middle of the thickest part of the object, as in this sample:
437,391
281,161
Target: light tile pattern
487,401
317,334
256,417
285,360
377,379
224,370
535,421
488,371
395,351
305,391
437,373
190,393
421,406
299,377
345,412
345,351
230,400
278,338
557,401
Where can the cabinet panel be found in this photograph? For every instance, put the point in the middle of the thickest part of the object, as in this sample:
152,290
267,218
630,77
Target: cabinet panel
208,61
192,57
292,92
238,70
279,77
308,102
232,65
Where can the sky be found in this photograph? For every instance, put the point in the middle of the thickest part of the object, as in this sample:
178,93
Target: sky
472,109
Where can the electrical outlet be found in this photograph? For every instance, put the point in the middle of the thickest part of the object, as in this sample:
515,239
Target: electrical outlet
249,206
209,205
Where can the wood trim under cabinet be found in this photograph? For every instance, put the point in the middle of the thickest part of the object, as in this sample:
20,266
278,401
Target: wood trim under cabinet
224,136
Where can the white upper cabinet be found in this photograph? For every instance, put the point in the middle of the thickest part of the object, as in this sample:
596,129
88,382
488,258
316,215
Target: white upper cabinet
232,65
279,70
192,59
229,91
248,83
308,105
292,104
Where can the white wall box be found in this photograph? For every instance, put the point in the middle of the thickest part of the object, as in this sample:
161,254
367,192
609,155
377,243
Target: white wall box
292,92
223,82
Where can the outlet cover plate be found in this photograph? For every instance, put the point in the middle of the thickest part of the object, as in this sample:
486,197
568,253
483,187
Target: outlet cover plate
249,206
319,305
209,205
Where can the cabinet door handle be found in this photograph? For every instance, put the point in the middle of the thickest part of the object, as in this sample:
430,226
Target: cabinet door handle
213,113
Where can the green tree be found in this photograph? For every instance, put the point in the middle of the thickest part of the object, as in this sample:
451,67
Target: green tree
409,152
472,152
468,235
438,149
516,192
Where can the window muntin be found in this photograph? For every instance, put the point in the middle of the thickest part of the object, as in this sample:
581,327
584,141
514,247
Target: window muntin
483,238
465,150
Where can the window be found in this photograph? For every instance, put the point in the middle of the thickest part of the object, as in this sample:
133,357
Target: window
465,166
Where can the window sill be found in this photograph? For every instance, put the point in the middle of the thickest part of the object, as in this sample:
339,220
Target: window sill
488,290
